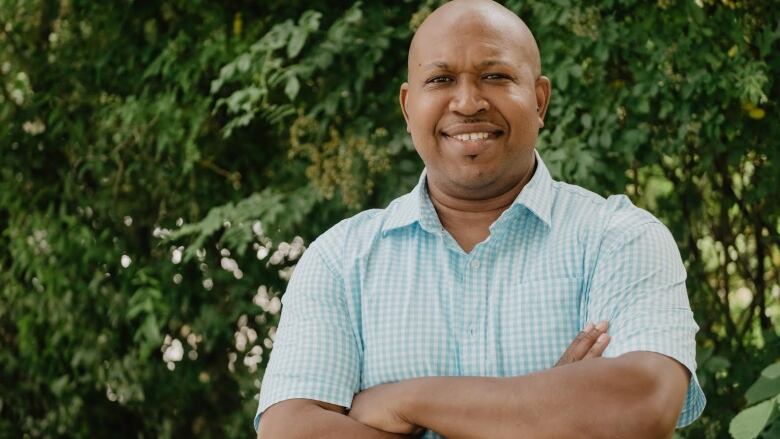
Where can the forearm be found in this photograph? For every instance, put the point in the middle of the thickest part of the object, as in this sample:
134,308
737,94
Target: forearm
600,398
302,420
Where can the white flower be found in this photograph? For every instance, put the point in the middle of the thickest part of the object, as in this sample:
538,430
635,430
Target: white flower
257,227
240,341
17,96
229,264
175,351
232,356
276,258
275,306
251,335
161,233
261,299
176,254
286,273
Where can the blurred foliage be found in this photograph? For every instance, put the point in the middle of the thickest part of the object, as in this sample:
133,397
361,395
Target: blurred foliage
162,165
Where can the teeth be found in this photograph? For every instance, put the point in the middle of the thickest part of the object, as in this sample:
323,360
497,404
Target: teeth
470,137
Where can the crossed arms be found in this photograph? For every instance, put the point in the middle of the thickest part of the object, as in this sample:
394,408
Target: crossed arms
638,283
637,395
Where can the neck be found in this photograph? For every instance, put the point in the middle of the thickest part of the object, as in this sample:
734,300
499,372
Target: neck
455,212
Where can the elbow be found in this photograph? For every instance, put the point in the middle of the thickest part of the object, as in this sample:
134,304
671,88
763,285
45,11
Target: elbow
658,422
282,420
659,388
662,407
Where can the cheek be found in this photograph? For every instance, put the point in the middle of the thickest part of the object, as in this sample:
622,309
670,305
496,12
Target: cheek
520,113
424,115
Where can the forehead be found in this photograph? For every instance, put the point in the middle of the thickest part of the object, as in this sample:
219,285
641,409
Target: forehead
469,37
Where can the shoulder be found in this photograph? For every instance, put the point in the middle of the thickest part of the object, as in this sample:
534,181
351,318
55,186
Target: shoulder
353,236
572,198
626,223
620,224
611,221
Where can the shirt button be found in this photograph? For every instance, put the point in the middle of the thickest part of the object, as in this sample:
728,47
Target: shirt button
474,263
471,330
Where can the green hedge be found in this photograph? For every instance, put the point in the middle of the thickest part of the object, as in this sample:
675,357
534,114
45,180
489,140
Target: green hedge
163,165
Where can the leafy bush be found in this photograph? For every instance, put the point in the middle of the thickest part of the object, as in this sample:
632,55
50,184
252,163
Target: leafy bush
763,398
164,165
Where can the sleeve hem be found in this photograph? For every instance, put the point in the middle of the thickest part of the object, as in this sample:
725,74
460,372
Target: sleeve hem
341,398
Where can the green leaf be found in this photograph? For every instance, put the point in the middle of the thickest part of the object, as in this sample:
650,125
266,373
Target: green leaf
606,139
772,371
243,62
749,422
297,40
292,87
277,37
718,363
762,389
310,20
586,120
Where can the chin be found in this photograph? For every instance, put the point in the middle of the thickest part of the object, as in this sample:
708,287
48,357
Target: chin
474,179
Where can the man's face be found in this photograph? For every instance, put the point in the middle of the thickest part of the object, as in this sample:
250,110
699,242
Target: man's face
471,105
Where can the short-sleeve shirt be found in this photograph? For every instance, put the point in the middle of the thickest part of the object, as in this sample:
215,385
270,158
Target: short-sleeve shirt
389,295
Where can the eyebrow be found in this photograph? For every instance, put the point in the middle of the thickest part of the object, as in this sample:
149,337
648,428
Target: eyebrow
487,63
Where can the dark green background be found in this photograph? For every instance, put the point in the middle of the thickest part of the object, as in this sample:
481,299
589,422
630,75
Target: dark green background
155,129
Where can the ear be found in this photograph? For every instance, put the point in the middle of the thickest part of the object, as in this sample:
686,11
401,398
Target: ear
543,90
402,100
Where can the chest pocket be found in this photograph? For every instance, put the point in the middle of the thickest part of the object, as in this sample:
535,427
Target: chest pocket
538,321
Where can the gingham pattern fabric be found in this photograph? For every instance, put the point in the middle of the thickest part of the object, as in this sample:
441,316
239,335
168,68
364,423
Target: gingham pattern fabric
389,295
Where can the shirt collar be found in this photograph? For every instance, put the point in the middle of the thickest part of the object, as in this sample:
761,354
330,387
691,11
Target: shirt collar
537,195
406,210
416,206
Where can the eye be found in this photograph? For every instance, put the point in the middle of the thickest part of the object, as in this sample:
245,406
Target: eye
439,80
496,76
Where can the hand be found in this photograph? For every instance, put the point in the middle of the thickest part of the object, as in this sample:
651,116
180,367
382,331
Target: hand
589,343
381,407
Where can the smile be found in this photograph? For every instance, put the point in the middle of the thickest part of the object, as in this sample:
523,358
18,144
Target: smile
472,132
471,137
472,144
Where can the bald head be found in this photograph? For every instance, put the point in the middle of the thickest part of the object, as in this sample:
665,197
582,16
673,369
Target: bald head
496,21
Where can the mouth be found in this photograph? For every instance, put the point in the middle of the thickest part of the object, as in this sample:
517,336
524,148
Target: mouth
474,136
472,143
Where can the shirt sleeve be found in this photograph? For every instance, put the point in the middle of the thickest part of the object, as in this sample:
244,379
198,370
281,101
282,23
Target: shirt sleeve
315,354
638,285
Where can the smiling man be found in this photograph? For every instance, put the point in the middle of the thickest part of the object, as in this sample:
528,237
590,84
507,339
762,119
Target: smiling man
446,313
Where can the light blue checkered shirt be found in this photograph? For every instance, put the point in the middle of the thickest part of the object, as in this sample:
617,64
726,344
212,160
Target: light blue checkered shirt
388,295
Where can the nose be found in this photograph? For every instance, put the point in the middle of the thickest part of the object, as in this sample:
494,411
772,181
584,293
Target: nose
468,100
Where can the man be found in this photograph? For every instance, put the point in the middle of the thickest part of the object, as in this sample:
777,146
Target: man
444,313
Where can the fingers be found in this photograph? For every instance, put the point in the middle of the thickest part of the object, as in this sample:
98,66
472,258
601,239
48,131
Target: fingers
598,347
587,344
587,339
568,354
